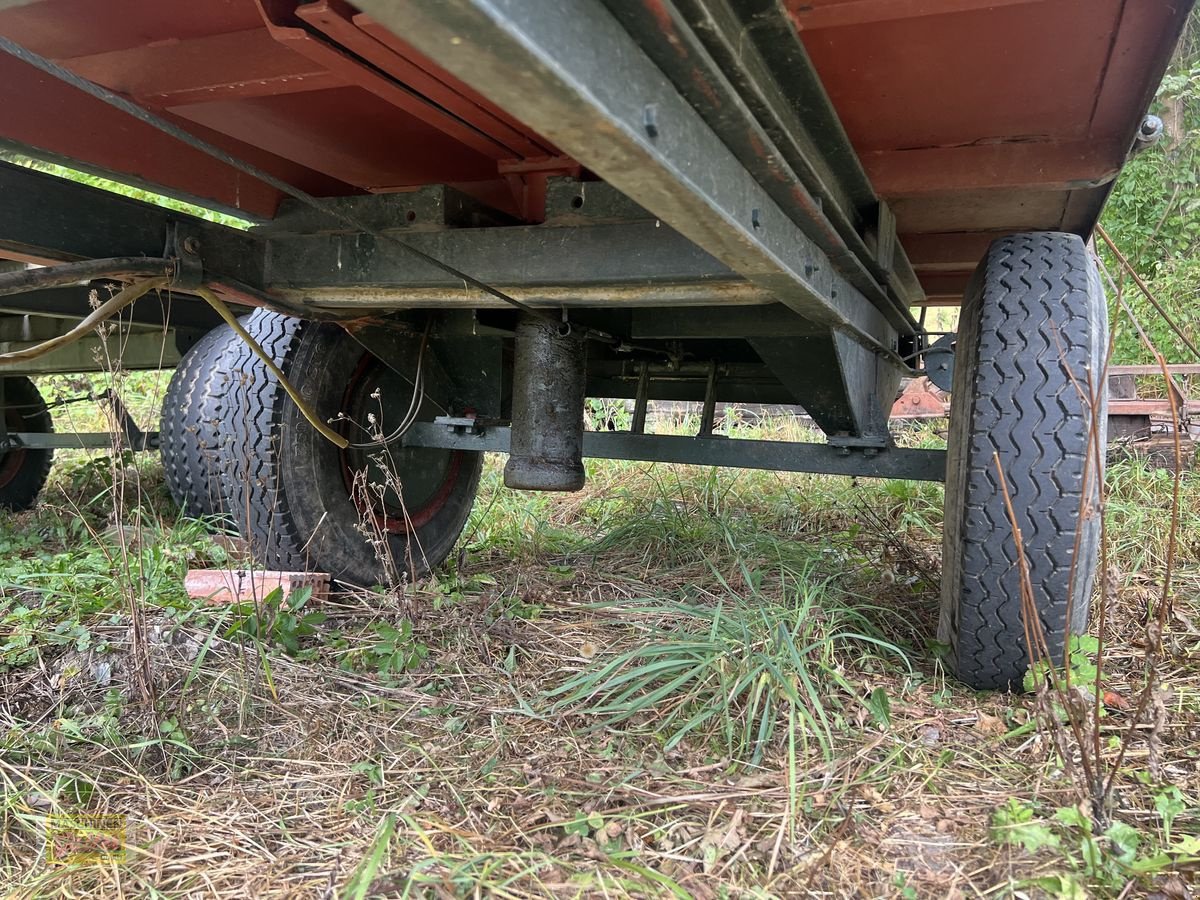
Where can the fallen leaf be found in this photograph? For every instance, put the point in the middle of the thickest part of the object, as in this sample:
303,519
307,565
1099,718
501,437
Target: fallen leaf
1113,700
990,724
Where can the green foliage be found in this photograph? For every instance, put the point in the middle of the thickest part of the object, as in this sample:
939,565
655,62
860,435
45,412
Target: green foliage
906,890
1169,803
359,885
1154,217
278,620
394,651
1014,823
607,415
1080,661
743,668
1108,857
116,187
52,599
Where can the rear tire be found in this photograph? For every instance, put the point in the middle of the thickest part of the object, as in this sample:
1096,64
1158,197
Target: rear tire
23,472
299,500
1033,326
194,427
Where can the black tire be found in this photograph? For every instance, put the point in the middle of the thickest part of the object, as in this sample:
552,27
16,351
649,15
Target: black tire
1033,326
23,472
194,424
292,492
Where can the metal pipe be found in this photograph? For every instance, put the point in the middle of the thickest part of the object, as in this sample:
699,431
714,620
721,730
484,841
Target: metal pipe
779,456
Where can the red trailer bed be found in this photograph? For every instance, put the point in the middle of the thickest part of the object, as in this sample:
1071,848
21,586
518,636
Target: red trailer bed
972,118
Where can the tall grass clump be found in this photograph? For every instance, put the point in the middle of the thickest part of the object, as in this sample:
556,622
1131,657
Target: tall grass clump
745,667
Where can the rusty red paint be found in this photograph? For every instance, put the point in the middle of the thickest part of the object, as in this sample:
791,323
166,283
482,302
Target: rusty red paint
662,16
1012,165
946,99
817,14
944,288
424,76
423,516
527,178
1151,407
919,400
664,20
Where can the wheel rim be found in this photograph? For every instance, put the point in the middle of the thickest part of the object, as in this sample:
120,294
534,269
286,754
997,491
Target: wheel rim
425,477
11,461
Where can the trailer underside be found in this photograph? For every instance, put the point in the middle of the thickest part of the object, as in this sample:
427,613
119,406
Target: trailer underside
724,181
469,215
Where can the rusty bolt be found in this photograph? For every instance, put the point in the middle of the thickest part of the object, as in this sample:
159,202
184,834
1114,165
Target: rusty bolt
191,245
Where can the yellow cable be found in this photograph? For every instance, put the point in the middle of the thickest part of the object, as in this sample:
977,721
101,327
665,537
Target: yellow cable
307,411
128,295
102,313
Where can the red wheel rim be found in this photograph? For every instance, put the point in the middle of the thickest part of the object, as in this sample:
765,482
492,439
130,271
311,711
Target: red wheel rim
11,461
413,518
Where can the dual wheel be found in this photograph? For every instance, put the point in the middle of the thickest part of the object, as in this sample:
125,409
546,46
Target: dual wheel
235,446
1026,416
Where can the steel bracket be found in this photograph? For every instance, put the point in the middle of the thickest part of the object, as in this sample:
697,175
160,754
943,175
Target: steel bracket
184,249
939,361
870,444
460,424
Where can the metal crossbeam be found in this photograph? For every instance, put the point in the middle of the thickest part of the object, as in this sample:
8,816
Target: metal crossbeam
47,218
95,440
639,263
573,74
731,60
783,456
636,263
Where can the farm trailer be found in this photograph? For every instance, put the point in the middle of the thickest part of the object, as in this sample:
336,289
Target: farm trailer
470,215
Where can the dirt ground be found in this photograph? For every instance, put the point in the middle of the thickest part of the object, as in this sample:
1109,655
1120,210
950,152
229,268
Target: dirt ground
675,683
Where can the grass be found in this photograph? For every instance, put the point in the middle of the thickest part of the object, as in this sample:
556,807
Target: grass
678,682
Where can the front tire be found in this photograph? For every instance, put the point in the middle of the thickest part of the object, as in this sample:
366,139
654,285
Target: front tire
1030,352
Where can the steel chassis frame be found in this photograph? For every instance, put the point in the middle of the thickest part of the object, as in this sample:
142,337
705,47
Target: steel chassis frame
727,220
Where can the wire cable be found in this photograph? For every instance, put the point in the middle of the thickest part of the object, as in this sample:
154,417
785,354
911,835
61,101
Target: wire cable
98,316
1146,292
42,277
305,410
414,406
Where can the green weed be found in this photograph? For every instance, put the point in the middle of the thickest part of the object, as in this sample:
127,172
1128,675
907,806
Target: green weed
278,620
741,667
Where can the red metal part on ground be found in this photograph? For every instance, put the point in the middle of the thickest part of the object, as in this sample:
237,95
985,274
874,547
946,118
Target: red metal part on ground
921,399
250,586
973,118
